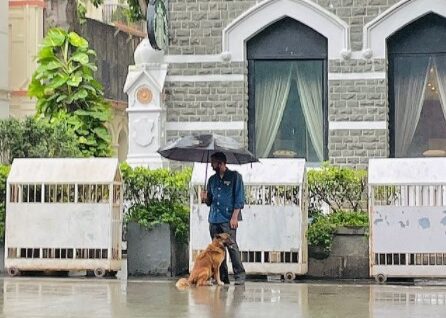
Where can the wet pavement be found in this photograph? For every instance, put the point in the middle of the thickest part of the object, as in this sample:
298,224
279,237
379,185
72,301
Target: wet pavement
88,297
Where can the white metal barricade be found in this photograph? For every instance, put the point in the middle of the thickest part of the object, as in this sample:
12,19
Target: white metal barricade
271,236
64,214
407,209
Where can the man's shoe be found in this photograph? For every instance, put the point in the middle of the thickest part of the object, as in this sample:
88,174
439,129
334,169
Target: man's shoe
225,280
239,282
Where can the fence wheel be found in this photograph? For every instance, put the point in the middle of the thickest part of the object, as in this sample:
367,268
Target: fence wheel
99,272
13,271
381,278
289,277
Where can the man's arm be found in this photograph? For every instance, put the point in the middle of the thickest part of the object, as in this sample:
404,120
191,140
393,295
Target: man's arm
239,200
206,196
234,218
209,193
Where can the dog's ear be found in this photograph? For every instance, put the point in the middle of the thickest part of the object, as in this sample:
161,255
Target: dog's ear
217,236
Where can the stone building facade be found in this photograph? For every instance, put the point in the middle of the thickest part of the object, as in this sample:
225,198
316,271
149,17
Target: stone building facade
207,85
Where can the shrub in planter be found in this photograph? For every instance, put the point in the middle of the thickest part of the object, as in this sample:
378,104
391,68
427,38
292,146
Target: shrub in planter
157,197
343,189
322,229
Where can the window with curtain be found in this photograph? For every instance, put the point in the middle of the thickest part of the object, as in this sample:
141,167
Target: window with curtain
288,109
420,112
287,92
417,88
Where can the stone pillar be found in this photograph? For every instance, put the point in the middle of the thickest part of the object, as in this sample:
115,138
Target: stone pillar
146,109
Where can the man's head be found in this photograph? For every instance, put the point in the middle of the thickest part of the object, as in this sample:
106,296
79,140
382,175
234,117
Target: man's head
218,162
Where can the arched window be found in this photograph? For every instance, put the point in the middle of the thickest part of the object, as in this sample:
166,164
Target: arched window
287,70
417,88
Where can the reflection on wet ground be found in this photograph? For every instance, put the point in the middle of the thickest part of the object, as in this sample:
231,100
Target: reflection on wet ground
62,297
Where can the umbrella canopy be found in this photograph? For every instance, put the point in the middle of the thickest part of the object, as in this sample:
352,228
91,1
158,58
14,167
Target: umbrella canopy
199,148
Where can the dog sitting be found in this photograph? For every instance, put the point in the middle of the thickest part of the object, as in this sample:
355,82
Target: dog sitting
207,263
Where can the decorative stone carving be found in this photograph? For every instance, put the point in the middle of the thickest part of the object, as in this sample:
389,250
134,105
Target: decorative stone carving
226,56
367,53
143,131
346,54
144,95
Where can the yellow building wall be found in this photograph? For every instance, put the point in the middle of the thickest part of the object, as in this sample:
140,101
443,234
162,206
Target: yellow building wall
26,33
4,65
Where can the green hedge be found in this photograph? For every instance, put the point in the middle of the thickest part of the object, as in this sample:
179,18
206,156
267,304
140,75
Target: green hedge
321,230
4,170
156,197
343,189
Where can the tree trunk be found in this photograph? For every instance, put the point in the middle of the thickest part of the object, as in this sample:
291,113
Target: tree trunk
143,6
72,18
60,13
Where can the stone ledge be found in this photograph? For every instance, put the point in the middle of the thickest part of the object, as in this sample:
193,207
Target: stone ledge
351,231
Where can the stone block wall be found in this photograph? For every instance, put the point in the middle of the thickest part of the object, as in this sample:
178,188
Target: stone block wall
357,87
356,13
196,25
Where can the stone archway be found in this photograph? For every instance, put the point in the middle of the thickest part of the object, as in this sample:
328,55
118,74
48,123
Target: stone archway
123,145
267,12
393,19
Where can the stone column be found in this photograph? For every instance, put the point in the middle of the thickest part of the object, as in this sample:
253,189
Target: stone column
146,109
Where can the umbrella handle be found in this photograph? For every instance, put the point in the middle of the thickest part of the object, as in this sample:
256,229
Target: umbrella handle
206,176
206,172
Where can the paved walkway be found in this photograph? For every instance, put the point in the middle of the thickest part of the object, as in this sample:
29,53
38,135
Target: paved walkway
89,297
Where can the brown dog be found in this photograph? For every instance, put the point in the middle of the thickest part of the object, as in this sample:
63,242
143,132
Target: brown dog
208,263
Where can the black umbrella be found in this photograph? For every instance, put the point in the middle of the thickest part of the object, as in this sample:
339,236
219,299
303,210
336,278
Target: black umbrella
199,148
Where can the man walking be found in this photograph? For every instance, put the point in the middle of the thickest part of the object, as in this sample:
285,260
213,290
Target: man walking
225,196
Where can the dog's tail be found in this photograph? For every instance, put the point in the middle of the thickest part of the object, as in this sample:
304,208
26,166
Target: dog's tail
182,283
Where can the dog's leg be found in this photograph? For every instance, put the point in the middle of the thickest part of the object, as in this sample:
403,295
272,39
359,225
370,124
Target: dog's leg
203,279
217,275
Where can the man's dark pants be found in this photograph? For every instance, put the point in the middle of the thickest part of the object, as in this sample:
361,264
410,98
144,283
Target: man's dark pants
234,253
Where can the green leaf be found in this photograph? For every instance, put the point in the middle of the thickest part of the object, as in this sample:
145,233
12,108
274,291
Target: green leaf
91,52
41,69
53,65
48,91
58,81
90,88
92,67
102,133
102,116
35,89
55,37
90,141
45,52
80,57
82,94
74,80
61,98
77,40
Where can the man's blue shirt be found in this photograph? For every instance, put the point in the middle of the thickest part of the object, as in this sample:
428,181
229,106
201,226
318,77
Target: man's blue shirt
224,195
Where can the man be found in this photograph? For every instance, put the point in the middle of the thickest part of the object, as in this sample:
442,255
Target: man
225,195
